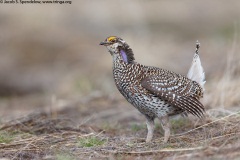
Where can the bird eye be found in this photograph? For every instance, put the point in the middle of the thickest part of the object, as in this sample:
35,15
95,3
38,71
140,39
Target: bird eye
113,40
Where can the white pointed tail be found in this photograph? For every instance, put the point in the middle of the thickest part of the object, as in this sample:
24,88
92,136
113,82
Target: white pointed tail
196,72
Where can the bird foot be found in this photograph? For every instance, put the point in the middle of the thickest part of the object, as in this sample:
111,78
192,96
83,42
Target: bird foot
166,127
166,139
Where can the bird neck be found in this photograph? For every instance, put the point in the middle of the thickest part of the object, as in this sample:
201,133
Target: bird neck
126,54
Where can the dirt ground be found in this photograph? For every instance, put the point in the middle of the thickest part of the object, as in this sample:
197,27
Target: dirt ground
97,127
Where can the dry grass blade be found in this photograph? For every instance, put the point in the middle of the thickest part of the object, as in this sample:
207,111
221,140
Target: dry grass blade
220,119
150,152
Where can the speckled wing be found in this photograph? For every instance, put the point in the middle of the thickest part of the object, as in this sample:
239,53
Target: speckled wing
176,90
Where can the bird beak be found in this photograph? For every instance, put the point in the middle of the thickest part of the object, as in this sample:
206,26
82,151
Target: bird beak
104,43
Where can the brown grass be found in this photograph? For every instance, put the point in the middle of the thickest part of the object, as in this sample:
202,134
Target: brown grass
224,92
39,136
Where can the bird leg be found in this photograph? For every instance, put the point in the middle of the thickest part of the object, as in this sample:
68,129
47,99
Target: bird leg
150,127
166,127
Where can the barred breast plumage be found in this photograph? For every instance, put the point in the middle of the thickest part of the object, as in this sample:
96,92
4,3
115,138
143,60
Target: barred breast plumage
153,91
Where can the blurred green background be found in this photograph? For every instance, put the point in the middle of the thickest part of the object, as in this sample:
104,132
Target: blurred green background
54,49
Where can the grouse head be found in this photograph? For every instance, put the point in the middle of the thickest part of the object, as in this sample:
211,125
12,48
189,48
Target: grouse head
119,49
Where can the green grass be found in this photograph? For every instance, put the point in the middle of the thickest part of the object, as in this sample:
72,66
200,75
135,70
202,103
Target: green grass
91,141
137,127
179,124
107,126
6,137
64,156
